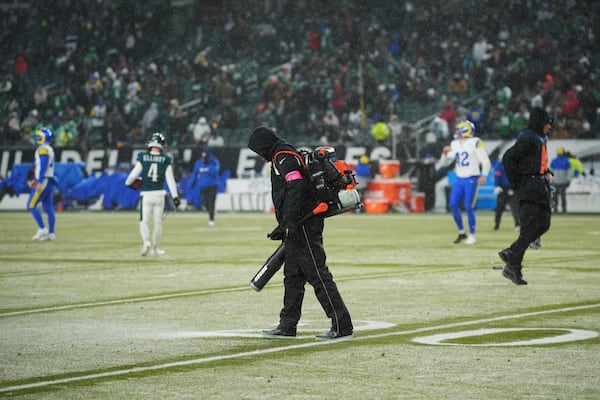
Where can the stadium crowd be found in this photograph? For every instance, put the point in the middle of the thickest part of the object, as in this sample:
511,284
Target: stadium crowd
110,72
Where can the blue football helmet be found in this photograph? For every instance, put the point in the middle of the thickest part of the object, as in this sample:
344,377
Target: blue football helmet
464,129
43,135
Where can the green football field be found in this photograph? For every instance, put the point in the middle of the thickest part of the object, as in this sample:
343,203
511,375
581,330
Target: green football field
86,317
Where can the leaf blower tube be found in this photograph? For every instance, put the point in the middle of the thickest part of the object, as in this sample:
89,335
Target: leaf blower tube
348,200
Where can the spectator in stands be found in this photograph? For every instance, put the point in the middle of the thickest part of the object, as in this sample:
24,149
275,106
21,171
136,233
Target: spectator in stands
439,127
330,123
125,42
201,131
215,140
274,91
476,114
177,122
505,122
149,119
12,130
229,118
134,89
30,122
519,118
21,69
93,87
570,105
40,98
338,100
458,86
448,114
97,123
117,129
223,89
481,51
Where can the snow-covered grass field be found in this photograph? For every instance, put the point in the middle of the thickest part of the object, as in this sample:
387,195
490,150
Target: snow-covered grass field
85,317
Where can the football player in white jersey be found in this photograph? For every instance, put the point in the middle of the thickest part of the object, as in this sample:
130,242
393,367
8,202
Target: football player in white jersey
472,165
42,185
155,169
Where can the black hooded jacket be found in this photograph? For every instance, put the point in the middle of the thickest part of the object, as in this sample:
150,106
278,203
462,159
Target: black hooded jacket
526,162
294,199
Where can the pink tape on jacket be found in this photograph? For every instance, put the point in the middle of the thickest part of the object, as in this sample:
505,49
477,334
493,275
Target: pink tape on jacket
292,176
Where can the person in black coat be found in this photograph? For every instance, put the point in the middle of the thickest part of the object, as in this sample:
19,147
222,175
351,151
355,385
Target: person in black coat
526,165
305,259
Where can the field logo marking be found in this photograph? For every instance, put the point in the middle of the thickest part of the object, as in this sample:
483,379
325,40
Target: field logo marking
571,335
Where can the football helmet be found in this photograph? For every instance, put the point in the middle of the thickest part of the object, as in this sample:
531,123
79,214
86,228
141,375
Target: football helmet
43,135
464,129
157,140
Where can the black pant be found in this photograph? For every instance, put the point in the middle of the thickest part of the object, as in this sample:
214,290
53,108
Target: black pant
503,199
209,198
305,262
535,221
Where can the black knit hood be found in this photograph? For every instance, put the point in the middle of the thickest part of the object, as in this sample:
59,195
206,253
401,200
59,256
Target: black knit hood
263,141
538,119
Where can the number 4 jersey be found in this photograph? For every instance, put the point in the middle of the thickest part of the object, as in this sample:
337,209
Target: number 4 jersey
155,170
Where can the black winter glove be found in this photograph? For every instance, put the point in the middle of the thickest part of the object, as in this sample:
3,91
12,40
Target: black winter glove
277,234
292,230
176,202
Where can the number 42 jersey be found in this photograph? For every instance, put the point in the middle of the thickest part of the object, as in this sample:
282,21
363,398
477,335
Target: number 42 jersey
470,157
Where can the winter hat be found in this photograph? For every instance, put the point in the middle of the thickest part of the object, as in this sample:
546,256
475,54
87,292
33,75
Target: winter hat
538,119
262,140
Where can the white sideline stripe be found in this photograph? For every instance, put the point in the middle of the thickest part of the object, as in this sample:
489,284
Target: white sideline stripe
198,361
192,293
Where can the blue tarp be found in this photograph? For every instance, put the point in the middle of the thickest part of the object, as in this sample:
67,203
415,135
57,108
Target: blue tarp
68,175
85,191
75,187
112,186
18,178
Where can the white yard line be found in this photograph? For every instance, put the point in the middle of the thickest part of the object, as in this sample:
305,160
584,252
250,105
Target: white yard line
119,301
199,292
203,360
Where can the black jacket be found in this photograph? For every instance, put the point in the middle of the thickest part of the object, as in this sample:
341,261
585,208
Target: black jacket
294,199
526,164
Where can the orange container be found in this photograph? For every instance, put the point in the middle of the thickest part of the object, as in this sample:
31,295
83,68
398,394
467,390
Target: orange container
392,190
417,202
389,169
376,206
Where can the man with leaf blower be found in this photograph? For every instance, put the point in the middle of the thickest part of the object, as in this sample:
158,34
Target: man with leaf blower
294,198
